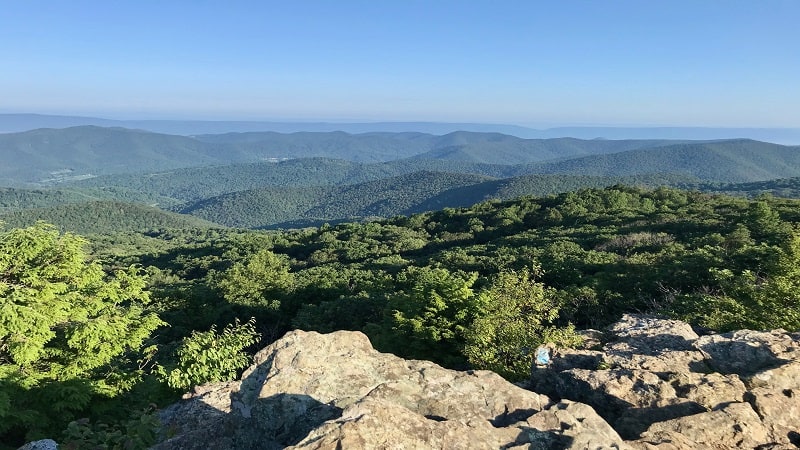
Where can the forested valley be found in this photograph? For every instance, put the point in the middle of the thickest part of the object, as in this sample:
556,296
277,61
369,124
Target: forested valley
100,329
136,265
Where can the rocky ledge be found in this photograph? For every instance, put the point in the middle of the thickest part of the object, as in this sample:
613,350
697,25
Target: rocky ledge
654,384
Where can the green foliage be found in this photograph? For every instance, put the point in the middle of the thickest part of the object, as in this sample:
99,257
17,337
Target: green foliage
518,315
139,432
210,356
747,299
430,314
783,187
105,216
258,281
62,320
454,286
729,161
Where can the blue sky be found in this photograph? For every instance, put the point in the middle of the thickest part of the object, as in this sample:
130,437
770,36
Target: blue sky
538,63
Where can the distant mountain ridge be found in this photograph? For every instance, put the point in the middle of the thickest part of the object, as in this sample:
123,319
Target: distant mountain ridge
268,179
513,150
732,161
23,122
55,155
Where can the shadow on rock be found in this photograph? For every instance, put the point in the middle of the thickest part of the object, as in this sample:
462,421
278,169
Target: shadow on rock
739,353
510,418
635,421
286,419
540,440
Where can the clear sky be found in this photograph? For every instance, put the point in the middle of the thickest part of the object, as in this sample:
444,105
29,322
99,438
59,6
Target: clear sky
539,63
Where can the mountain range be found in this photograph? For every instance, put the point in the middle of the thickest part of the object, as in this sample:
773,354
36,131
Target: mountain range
269,179
25,122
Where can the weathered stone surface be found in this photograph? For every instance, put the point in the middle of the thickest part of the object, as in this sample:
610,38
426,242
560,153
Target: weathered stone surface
380,424
779,410
592,339
786,376
44,444
669,440
662,385
570,425
656,383
747,352
735,425
630,400
652,335
708,390
309,390
648,343
372,423
201,418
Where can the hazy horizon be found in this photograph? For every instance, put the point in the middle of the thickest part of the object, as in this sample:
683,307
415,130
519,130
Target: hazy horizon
728,64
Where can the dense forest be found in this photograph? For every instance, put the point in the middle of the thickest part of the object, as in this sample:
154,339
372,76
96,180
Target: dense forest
98,330
123,285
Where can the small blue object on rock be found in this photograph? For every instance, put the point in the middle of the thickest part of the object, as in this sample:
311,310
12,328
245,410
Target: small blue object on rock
542,356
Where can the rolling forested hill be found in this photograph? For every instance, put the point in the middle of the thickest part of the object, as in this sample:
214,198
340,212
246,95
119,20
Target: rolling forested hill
295,206
271,207
267,179
783,187
197,183
102,217
740,160
15,199
368,147
288,207
508,150
54,154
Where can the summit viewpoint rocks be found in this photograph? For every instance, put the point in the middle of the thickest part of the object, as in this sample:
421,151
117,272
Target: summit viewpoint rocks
654,384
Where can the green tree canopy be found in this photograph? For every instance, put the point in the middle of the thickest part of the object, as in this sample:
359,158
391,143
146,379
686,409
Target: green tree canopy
749,299
429,317
257,281
62,320
517,316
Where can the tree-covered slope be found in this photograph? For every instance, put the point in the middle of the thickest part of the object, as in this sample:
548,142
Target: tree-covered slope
261,207
474,147
368,147
540,185
510,150
197,183
722,161
401,195
12,199
16,199
103,217
53,154
270,207
782,187
391,196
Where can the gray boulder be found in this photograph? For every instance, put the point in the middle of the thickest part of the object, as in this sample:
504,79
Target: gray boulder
747,352
660,385
735,425
655,383
309,390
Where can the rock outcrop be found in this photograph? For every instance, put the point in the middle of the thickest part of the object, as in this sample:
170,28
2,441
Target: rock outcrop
660,385
313,391
655,384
